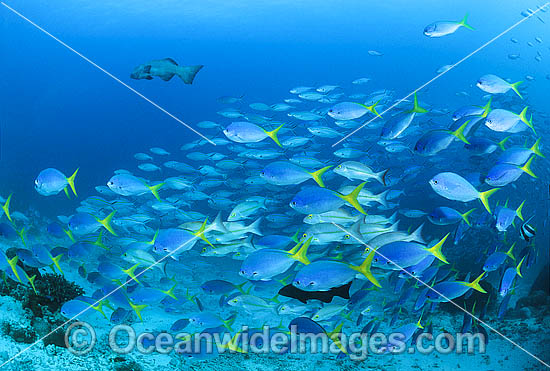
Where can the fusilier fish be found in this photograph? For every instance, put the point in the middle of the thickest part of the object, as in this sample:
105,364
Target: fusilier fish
444,28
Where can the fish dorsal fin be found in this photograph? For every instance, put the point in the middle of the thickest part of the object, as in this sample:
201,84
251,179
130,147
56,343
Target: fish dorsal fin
171,61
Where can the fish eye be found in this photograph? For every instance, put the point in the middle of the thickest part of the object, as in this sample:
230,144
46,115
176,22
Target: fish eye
339,166
297,282
293,203
330,110
165,249
346,236
304,235
233,214
435,181
310,216
311,283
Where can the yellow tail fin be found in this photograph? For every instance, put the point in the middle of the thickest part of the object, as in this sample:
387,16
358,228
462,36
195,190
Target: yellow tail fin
435,250
459,133
200,232
518,211
317,175
170,292
416,107
464,23
518,268
503,142
514,87
510,252
56,260
334,335
352,198
131,272
273,135
484,197
487,108
371,108
475,284
523,118
99,241
418,324
137,308
70,180
536,149
296,248
233,344
466,215
364,269
301,255
13,264
155,189
6,207
69,233
31,281
527,167
99,308
107,223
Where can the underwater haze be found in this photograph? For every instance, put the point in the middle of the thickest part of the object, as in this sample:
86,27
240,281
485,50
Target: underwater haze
185,184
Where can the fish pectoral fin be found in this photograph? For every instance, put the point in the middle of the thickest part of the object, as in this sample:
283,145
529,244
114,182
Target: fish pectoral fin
166,76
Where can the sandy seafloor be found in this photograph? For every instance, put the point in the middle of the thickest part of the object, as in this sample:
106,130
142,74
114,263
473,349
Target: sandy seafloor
528,328
500,355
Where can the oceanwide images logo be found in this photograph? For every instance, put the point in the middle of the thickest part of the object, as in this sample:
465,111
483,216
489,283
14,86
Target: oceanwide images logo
80,339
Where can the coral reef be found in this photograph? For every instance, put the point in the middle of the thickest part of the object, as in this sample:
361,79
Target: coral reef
52,291
19,333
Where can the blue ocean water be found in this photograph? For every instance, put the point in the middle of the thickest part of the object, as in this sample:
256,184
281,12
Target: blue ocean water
59,111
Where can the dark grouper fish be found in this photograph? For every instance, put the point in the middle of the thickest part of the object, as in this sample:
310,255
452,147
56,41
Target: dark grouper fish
165,69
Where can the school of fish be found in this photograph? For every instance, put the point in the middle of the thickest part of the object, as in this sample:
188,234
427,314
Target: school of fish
211,235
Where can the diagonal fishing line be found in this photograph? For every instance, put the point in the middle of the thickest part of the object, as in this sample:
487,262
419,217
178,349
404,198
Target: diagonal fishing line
96,303
444,72
444,297
108,73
